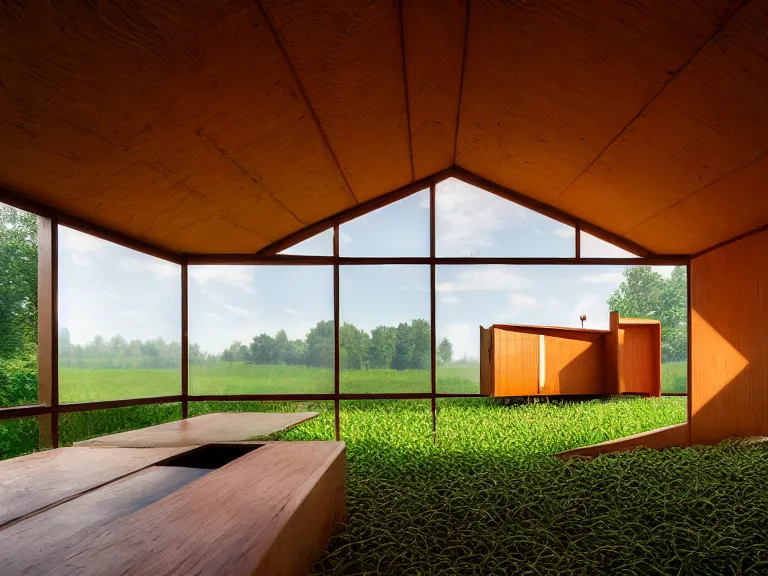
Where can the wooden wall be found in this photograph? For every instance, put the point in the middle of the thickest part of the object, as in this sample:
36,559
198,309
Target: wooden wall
640,358
729,341
574,363
515,374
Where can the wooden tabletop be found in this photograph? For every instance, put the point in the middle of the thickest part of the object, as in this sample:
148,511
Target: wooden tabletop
28,483
218,427
265,513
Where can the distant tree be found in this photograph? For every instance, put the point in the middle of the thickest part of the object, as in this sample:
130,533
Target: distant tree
402,347
444,351
321,345
263,349
381,352
645,293
354,343
282,345
420,337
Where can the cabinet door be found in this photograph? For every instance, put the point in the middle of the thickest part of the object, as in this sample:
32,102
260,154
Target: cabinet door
516,359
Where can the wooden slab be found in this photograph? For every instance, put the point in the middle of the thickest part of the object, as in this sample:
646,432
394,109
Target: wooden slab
32,482
266,513
666,437
218,427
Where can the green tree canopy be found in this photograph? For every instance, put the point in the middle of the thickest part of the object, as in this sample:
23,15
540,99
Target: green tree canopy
645,293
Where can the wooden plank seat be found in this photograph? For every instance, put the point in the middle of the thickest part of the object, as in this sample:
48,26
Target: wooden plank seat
217,427
260,508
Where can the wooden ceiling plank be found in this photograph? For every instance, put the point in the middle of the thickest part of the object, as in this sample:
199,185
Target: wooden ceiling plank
548,84
433,35
709,123
348,57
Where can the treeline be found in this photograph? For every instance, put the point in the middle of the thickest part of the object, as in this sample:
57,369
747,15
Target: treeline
406,346
118,353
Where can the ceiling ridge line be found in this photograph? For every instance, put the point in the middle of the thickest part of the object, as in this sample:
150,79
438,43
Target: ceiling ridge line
653,98
405,86
297,81
736,170
461,82
258,181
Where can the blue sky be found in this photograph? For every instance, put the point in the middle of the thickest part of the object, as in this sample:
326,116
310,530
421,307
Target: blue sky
106,289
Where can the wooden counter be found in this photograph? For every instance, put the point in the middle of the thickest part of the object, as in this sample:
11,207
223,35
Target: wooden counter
218,427
267,512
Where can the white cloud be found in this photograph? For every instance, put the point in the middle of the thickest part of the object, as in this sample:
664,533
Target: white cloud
665,271
450,300
345,238
563,231
603,278
74,241
110,294
518,303
240,277
239,311
485,279
137,314
81,260
213,316
160,268
292,312
593,247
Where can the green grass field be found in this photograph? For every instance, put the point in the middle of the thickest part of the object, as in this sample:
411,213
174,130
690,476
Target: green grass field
489,498
82,385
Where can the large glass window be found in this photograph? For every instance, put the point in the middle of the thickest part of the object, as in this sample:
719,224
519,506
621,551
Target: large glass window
18,307
397,230
318,245
261,330
468,297
594,247
472,222
385,333
119,321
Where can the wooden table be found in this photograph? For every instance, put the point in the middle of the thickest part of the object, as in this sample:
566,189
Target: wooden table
266,512
218,427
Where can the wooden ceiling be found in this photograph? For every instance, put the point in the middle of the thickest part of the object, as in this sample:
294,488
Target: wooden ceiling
221,126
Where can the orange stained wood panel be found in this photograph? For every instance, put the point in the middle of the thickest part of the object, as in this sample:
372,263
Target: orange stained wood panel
692,145
268,512
574,364
177,124
486,361
640,359
516,363
38,480
434,33
548,85
349,59
676,435
612,357
729,306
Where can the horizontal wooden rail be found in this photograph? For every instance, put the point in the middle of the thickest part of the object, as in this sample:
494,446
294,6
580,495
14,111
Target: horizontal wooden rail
9,412
107,404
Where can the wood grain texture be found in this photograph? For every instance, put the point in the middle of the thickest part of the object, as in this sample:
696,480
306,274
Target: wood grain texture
266,513
349,59
205,429
32,482
709,123
434,45
729,364
659,439
640,351
549,84
179,124
612,357
574,363
515,363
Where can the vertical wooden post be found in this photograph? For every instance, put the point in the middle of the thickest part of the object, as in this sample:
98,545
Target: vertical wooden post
578,240
689,319
184,339
47,330
336,352
433,312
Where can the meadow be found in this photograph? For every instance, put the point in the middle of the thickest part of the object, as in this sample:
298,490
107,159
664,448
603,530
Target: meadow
486,495
88,385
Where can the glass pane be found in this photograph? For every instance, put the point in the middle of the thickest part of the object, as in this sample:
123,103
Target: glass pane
318,245
18,436
18,307
471,296
594,247
119,321
398,230
261,329
385,336
472,222
320,428
78,426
